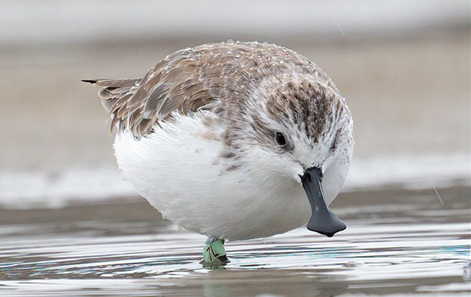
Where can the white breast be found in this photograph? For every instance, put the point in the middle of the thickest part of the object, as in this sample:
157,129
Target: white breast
178,169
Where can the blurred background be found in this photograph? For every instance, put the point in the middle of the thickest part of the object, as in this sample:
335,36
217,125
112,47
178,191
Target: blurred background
403,67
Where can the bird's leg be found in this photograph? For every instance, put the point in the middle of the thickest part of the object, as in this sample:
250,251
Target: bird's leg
214,253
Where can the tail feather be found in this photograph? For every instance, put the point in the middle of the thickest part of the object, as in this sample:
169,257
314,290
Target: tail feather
113,82
114,90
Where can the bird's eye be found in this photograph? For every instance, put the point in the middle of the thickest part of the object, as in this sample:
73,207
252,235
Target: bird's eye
280,139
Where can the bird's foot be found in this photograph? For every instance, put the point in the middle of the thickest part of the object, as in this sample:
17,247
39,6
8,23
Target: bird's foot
214,254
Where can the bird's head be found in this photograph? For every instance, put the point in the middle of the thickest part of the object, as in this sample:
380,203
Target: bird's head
300,129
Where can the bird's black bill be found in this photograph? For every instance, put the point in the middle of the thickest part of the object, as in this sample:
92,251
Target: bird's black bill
322,219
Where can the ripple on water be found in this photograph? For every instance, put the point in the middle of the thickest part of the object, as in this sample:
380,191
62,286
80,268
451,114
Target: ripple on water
373,256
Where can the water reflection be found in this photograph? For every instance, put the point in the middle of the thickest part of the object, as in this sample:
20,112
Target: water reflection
399,251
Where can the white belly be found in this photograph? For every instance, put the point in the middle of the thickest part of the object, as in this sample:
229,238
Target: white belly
179,171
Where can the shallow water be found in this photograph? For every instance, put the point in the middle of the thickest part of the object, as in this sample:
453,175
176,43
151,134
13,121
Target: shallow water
411,245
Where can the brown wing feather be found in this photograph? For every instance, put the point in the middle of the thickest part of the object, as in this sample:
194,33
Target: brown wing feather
138,104
211,76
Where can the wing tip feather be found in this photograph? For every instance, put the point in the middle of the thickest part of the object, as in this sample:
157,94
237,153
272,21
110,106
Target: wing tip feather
91,81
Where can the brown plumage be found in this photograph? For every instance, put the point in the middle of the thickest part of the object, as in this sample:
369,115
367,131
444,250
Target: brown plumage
210,76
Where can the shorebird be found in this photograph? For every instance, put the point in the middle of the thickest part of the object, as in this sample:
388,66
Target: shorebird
233,140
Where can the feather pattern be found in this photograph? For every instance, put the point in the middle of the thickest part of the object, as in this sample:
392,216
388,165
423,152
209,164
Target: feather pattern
196,78
197,136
